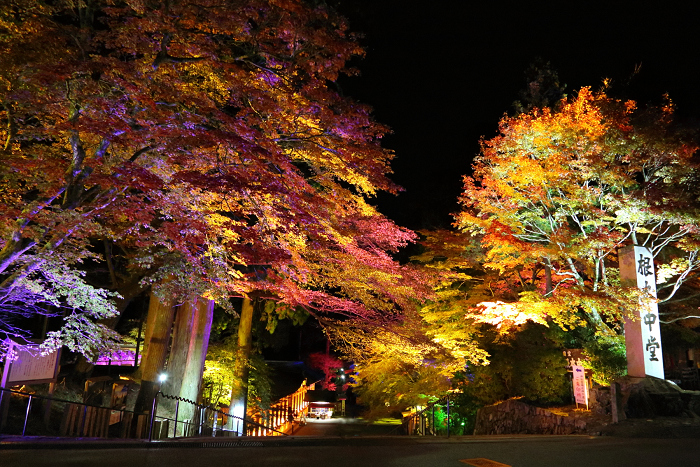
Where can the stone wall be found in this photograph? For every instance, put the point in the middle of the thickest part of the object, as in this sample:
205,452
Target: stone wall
637,398
599,400
516,417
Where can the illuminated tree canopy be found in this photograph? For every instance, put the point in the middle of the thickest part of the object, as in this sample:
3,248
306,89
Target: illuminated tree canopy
202,139
552,199
564,190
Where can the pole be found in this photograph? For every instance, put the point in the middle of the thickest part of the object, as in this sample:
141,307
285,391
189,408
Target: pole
153,416
177,408
26,415
448,416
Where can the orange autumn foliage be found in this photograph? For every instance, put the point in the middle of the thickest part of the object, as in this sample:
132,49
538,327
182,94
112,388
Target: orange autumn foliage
565,189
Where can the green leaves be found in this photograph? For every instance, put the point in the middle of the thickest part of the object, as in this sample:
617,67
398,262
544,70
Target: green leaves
273,312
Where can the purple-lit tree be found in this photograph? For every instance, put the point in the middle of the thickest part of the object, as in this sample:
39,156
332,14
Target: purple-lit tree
200,141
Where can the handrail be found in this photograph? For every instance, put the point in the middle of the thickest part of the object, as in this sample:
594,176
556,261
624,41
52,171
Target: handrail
202,407
431,406
95,419
88,420
39,396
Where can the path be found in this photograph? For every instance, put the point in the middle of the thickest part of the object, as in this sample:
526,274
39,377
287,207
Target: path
346,427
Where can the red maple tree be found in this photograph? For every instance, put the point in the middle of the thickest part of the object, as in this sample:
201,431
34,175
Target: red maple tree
202,139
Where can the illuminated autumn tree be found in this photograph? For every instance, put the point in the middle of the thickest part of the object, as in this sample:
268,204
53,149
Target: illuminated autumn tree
411,362
329,365
469,295
202,140
397,367
552,199
472,336
564,190
199,142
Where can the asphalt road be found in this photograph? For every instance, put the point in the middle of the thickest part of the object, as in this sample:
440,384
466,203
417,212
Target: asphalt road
520,451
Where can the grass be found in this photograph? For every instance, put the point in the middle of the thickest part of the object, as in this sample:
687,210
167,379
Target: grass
387,421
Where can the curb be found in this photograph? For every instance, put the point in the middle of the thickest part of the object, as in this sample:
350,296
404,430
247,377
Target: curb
31,443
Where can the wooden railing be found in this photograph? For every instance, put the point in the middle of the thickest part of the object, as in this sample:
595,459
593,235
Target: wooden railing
282,413
31,414
278,420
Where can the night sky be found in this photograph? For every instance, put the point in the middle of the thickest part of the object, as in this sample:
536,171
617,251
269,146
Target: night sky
442,76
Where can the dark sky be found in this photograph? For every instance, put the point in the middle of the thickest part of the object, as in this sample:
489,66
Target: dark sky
441,74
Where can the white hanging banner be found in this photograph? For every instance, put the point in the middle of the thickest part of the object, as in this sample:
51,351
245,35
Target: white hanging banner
580,386
649,313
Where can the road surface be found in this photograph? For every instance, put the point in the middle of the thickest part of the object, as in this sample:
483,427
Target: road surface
521,451
318,448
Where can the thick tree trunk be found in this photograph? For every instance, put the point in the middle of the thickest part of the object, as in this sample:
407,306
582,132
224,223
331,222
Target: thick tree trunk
158,327
197,353
239,394
177,361
188,351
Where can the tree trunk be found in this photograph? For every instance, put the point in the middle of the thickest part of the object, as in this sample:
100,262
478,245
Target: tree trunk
239,393
158,327
197,353
179,353
189,349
